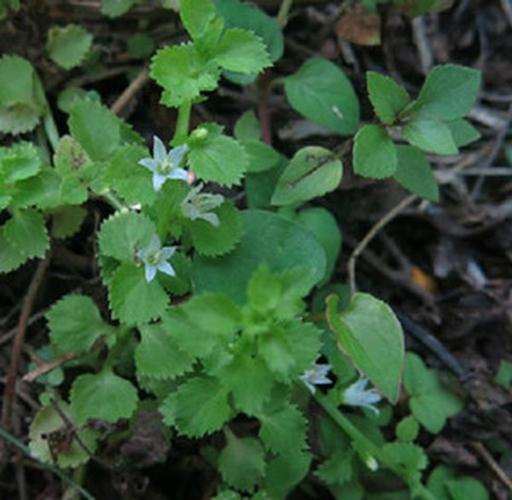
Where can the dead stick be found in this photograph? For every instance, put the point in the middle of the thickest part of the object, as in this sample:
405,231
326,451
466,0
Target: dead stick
489,459
48,367
128,93
19,339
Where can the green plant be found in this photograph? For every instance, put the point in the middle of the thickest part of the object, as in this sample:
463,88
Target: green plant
209,319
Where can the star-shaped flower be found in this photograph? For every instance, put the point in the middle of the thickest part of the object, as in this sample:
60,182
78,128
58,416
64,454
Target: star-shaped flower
197,205
155,258
165,165
316,375
357,395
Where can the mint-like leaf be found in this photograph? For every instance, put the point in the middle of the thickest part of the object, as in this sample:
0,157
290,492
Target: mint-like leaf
68,45
374,153
387,97
430,135
26,232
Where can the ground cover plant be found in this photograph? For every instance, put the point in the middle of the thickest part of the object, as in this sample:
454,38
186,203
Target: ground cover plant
211,330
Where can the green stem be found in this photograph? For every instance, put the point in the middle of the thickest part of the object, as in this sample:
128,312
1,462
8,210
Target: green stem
349,428
51,129
182,124
111,198
284,10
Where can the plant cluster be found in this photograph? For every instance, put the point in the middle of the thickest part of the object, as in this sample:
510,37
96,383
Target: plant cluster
217,315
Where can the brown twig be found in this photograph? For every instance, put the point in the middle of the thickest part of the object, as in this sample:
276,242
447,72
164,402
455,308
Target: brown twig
489,459
48,367
263,109
371,234
129,92
19,339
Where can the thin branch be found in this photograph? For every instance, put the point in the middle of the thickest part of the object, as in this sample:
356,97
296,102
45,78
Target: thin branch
489,459
48,367
129,92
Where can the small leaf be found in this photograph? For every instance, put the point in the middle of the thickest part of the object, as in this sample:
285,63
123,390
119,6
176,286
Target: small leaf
241,462
116,8
374,153
75,324
196,15
415,174
467,488
18,162
26,232
430,135
369,333
321,92
463,132
387,97
132,299
66,221
10,257
312,172
102,396
448,92
68,46
247,127
285,471
407,429
262,157
242,51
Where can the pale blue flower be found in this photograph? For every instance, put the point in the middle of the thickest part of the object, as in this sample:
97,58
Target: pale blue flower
357,395
197,205
155,258
165,165
316,375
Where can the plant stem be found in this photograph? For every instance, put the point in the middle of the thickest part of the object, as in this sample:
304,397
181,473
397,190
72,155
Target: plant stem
112,200
349,428
182,124
51,129
284,10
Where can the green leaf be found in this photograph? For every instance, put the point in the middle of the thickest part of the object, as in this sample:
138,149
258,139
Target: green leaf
312,172
71,95
96,128
242,51
259,188
26,232
10,257
463,132
430,135
159,356
285,471
251,18
75,324
219,159
448,92
123,234
504,373
407,429
140,45
387,97
283,429
369,333
132,299
292,247
66,221
414,173
337,469
324,226
375,154
182,73
116,8
247,127
196,16
321,92
241,462
129,179
262,157
201,406
210,240
68,45
102,396
49,421
18,162
467,488
411,459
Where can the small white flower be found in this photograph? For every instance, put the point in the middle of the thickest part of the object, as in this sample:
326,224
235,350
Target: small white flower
197,205
357,395
165,165
155,258
316,375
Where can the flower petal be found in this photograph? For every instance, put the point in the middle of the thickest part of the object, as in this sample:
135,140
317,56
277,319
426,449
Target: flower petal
210,217
167,252
158,181
176,154
166,268
149,163
159,151
150,272
179,173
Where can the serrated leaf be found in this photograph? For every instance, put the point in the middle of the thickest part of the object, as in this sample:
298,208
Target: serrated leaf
430,135
129,179
66,221
159,356
305,342
67,46
196,15
10,257
18,119
201,406
18,162
72,95
370,334
26,232
388,98
448,92
321,92
102,396
407,457
312,172
415,174
463,132
182,73
123,234
96,128
75,324
285,471
48,421
375,153
283,429
116,8
241,462
242,51
132,299
337,469
213,240
407,429
218,158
